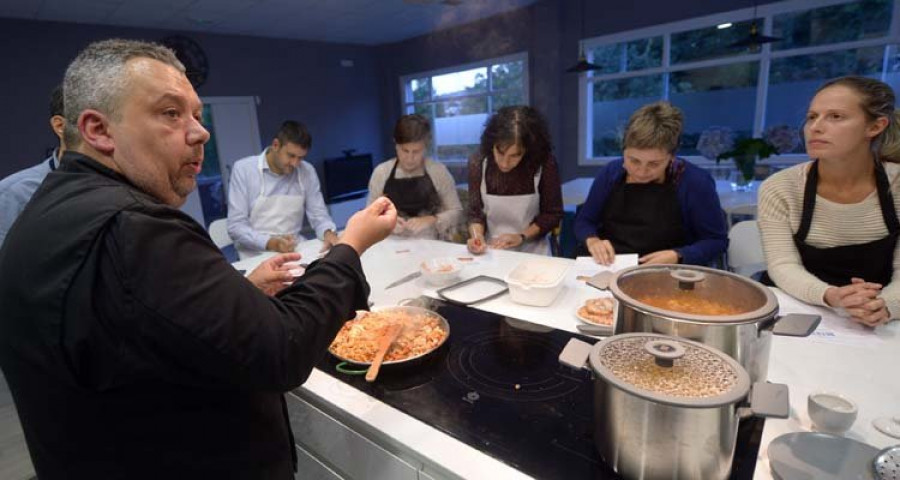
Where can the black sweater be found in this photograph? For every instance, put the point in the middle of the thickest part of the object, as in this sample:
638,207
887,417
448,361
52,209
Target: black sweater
134,350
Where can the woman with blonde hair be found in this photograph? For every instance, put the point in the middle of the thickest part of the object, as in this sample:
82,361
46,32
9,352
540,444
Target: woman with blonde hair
829,226
651,202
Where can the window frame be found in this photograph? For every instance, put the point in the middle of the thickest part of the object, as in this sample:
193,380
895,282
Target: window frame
765,56
486,63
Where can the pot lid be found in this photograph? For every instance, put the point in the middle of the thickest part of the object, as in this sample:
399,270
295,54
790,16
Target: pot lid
692,293
670,370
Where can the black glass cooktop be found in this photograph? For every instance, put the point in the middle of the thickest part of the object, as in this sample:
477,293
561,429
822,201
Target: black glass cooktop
498,386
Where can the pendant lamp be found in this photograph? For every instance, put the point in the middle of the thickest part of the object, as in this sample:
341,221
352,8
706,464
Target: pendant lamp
754,39
583,65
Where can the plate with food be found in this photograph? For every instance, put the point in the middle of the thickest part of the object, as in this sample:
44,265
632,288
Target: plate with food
423,331
599,311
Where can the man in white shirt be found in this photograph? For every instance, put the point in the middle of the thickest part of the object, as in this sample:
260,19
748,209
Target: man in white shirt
16,190
269,194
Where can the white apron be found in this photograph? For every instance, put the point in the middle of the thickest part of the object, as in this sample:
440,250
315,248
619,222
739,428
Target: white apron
275,214
513,214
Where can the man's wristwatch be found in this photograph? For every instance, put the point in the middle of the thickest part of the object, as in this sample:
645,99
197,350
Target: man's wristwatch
523,237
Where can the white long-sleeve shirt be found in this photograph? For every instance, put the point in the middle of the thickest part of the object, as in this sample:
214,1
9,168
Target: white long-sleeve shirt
834,224
17,189
244,192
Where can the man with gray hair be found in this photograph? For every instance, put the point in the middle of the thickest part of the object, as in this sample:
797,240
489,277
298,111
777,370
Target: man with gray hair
131,347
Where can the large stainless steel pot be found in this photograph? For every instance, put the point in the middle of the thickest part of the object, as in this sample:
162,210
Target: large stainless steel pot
669,408
651,298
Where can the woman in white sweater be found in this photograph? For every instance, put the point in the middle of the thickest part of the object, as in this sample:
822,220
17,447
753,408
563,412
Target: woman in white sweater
829,226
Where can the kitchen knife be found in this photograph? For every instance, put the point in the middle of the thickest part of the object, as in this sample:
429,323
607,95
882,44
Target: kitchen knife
402,280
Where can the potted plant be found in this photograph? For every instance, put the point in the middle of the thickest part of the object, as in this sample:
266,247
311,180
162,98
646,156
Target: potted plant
745,153
718,143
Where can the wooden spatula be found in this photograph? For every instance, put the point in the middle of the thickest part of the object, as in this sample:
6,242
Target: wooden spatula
388,335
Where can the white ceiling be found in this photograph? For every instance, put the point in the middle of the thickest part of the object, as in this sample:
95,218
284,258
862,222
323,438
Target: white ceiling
365,22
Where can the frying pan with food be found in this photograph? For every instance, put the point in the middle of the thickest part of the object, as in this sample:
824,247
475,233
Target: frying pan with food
410,315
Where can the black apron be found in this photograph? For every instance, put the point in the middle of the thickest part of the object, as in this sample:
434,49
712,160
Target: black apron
413,197
642,218
872,261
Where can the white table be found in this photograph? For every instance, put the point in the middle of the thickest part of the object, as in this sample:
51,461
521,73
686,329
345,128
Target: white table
858,363
838,357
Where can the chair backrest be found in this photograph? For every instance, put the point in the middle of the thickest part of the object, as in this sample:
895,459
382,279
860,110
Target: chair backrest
745,211
218,231
745,253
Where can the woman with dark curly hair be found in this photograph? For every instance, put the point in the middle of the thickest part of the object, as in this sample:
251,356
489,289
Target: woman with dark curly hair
515,197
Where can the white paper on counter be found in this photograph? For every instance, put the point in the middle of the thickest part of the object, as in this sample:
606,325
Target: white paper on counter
588,267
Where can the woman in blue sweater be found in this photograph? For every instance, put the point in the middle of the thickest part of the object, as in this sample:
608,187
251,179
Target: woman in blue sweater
651,202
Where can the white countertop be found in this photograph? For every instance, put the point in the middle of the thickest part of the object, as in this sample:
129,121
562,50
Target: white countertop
855,361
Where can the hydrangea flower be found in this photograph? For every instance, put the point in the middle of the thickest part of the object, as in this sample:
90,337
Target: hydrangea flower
783,137
714,141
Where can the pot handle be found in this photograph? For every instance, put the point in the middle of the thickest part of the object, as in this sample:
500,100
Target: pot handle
796,325
575,354
769,400
601,280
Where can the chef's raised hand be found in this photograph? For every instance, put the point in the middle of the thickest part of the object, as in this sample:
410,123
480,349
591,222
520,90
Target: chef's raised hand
601,250
370,225
272,275
506,241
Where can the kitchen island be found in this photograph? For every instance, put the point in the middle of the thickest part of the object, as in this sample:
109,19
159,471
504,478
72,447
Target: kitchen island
344,433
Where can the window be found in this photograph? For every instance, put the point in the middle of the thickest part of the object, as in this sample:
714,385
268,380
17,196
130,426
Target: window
460,100
696,65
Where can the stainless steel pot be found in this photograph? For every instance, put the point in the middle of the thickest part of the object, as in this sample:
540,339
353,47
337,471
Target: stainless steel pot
669,408
737,315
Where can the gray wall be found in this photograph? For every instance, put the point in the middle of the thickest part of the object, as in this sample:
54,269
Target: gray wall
549,31
345,107
293,79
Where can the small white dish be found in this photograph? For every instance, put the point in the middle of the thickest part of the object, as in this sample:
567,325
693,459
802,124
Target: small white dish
831,412
441,271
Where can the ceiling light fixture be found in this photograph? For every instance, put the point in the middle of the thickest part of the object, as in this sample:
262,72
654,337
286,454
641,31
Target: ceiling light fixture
754,39
583,65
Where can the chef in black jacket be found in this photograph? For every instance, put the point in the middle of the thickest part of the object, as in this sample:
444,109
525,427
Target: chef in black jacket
131,347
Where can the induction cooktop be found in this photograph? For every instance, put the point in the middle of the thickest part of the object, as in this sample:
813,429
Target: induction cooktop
497,385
